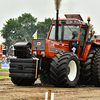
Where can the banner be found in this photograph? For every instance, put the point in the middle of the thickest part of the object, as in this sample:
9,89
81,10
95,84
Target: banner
5,65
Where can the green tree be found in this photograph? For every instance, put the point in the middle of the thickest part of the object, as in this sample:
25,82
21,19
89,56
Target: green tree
19,29
28,27
23,28
8,30
43,28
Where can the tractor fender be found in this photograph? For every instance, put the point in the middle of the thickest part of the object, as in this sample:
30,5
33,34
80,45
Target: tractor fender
89,46
95,44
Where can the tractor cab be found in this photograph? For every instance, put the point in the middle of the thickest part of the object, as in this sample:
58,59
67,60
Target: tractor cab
73,34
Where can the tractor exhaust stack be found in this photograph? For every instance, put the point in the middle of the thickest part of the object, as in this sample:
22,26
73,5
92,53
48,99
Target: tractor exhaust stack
57,6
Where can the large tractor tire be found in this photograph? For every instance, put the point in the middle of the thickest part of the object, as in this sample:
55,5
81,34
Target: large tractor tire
45,78
53,69
68,70
22,81
96,68
85,73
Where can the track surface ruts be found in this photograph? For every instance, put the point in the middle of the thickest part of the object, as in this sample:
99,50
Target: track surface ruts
9,91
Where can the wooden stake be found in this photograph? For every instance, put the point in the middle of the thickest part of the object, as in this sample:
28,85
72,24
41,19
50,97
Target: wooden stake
49,94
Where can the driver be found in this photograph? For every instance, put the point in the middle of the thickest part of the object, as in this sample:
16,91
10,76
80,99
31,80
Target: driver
73,35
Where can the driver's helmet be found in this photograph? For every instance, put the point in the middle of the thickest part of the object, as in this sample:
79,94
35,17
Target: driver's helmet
74,35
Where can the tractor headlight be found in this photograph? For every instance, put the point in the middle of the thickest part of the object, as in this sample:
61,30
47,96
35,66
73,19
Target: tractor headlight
42,53
35,52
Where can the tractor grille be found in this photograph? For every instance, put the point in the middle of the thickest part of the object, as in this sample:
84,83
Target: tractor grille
38,44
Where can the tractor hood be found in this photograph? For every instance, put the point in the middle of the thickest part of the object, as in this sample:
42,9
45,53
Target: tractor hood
48,48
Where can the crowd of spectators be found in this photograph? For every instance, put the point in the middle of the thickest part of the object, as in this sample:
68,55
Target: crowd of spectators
6,59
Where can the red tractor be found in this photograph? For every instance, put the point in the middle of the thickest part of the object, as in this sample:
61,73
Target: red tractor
69,54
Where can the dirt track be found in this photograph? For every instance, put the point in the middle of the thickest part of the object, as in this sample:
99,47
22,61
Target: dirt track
4,73
9,91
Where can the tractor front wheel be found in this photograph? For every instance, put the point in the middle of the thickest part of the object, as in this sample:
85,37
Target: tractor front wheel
53,69
68,70
45,78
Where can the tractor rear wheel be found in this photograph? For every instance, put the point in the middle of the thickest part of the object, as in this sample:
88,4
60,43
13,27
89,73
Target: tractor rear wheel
85,74
22,81
53,69
96,68
68,70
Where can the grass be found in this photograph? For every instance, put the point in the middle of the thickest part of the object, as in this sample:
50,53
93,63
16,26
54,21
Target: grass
4,77
4,69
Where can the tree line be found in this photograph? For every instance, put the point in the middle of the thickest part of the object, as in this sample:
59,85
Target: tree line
22,29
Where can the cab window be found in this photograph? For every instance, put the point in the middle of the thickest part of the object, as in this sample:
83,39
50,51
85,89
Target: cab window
52,33
70,32
90,34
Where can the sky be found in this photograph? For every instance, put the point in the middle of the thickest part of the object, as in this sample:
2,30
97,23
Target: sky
42,9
